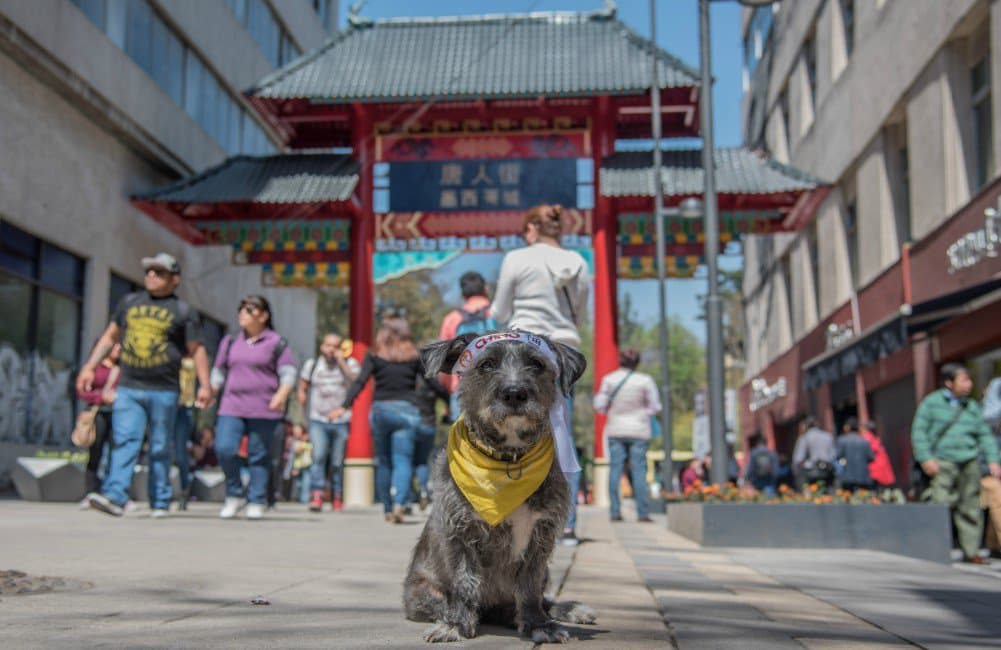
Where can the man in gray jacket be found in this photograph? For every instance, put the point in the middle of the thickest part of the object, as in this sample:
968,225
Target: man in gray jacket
854,455
814,456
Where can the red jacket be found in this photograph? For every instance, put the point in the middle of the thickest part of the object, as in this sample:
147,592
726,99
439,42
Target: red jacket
880,468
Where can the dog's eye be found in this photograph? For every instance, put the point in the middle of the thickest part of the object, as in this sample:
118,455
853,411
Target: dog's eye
488,364
536,365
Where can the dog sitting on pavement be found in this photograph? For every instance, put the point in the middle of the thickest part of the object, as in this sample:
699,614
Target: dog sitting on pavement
501,498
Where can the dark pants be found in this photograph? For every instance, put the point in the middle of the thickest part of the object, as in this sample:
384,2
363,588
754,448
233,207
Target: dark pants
102,437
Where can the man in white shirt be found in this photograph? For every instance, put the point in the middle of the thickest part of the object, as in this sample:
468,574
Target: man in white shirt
543,289
323,385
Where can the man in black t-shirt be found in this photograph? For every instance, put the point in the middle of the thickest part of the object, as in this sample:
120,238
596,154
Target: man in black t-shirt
155,329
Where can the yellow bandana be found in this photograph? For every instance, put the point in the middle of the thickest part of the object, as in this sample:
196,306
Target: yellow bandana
495,488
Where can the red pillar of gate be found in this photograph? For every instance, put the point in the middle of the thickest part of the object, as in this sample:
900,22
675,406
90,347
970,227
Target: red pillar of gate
358,477
605,233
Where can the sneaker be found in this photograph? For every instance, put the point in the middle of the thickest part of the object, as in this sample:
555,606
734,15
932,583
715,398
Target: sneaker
396,516
337,505
85,503
255,511
645,520
569,538
159,513
100,502
424,501
617,518
316,502
230,507
182,501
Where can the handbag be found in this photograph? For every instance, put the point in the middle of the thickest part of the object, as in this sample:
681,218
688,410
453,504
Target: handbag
85,429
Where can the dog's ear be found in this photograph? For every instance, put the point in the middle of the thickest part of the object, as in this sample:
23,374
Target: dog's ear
442,355
571,365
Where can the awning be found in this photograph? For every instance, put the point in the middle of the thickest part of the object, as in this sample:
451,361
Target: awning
879,341
892,333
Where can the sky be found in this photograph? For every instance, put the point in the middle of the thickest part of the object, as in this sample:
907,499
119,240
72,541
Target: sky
678,33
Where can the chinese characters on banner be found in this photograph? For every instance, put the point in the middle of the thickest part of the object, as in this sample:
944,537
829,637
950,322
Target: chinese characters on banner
476,185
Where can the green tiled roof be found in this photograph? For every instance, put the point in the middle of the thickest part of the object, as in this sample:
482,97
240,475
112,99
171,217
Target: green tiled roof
738,171
500,56
284,178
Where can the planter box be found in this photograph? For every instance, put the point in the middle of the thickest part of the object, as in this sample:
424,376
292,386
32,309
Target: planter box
916,530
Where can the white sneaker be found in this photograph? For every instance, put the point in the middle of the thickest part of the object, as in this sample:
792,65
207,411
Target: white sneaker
85,504
255,511
230,507
159,513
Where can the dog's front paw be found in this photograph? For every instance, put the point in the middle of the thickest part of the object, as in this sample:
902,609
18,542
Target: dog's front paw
551,632
442,633
573,612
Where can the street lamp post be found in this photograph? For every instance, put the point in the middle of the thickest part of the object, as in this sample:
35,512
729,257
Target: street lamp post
667,467
714,312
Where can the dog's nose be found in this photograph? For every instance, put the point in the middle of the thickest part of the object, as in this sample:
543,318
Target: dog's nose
514,395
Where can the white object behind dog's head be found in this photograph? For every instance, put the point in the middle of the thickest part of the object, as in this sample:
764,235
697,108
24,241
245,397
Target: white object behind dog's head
508,387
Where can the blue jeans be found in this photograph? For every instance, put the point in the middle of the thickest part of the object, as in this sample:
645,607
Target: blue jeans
619,449
228,434
394,434
329,440
134,412
574,478
422,454
183,428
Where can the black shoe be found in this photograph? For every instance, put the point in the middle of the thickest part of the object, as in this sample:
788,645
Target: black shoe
617,518
182,501
569,538
645,520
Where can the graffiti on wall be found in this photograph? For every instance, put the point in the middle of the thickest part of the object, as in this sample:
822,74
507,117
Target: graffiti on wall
36,400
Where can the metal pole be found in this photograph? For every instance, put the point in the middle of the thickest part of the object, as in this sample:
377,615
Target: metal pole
667,467
714,313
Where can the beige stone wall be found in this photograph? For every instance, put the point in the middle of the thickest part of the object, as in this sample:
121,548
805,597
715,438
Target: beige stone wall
907,81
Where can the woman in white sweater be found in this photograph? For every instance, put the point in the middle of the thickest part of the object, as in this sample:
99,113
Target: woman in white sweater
629,399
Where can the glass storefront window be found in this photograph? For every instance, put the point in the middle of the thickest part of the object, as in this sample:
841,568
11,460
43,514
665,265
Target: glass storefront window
41,295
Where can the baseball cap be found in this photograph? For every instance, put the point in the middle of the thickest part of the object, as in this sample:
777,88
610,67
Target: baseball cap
163,261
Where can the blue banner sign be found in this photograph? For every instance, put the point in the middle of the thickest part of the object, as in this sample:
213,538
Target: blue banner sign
477,185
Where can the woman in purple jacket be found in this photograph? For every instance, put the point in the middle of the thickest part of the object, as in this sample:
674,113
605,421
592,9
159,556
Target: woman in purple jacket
254,374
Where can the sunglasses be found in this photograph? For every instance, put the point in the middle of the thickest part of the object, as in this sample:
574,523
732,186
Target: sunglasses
250,309
160,273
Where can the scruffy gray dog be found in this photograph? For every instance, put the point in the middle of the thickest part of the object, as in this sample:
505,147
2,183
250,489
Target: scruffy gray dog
463,570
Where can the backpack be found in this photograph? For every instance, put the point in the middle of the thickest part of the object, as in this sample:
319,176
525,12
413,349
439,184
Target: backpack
761,465
476,322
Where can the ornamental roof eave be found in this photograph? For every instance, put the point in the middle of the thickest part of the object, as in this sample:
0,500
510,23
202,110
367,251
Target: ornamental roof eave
284,179
739,171
505,57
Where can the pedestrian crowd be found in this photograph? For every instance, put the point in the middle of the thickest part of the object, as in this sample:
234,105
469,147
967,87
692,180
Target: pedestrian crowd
276,429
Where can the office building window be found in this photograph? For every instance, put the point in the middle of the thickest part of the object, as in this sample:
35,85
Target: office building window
786,117
813,250
759,30
154,46
41,297
118,289
785,268
810,60
275,42
848,23
851,239
327,17
904,194
983,127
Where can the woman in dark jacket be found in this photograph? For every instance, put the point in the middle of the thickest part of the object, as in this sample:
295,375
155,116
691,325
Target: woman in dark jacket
394,364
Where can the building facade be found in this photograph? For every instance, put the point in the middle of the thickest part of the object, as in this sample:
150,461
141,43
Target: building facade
898,271
101,100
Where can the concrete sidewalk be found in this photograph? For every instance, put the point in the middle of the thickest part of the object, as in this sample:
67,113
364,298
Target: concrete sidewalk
335,581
